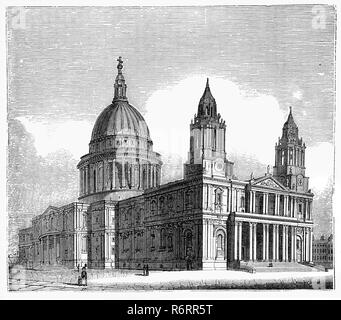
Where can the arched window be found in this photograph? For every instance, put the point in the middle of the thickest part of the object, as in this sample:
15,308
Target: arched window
242,202
170,242
214,139
220,243
161,204
130,176
153,177
144,179
162,238
157,178
94,180
84,220
138,217
218,197
152,237
153,206
188,242
84,244
65,222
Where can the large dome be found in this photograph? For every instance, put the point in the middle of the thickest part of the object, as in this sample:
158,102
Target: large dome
121,162
120,118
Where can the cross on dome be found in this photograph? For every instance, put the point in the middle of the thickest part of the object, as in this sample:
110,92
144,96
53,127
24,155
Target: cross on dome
120,64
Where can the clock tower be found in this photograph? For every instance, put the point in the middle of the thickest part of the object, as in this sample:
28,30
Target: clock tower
207,141
289,166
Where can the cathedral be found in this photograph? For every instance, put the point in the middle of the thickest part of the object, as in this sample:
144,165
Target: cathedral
125,218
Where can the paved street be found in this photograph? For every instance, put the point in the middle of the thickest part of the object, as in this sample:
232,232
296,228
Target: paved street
188,280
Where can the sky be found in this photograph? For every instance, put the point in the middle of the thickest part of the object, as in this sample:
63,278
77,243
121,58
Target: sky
260,60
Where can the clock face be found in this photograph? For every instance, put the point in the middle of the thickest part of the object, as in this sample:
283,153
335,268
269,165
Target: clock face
219,165
300,181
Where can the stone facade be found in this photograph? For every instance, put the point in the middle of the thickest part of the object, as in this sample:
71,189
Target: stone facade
323,251
207,220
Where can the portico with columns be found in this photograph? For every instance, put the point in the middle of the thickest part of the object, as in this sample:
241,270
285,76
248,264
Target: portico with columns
267,239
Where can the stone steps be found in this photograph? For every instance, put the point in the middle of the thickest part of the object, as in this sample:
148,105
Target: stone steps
278,267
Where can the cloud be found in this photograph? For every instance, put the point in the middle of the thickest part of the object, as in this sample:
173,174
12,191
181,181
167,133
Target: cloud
298,95
253,120
320,165
49,137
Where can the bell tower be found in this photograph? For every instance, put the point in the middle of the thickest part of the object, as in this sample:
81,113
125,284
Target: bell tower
207,140
289,166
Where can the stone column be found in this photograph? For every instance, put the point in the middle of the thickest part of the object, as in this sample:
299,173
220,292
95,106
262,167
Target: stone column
41,252
114,175
275,210
264,203
86,184
55,248
48,248
274,242
237,200
285,213
104,167
132,168
228,200
204,239
292,244
124,182
253,201
295,244
264,242
283,244
213,243
210,240
307,249
294,214
81,181
277,242
208,188
250,241
310,245
286,256
235,253
137,173
267,242
304,245
240,232
255,241
250,201
286,243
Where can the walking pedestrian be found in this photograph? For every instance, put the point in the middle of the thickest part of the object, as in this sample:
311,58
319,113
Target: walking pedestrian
84,276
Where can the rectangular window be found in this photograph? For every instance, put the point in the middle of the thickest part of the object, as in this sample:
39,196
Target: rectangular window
84,245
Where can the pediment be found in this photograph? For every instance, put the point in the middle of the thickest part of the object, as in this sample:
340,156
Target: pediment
50,210
268,182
